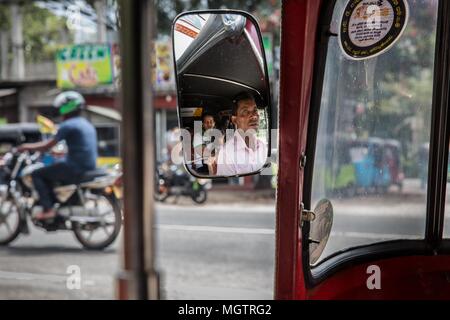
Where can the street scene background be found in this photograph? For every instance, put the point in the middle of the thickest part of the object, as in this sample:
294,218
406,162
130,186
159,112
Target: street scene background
371,160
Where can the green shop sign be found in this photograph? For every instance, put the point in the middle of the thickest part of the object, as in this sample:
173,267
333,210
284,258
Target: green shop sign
84,66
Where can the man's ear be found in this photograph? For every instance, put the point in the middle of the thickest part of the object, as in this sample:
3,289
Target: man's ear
233,120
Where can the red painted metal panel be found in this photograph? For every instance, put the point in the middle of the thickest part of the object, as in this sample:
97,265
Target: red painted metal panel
406,278
414,277
300,20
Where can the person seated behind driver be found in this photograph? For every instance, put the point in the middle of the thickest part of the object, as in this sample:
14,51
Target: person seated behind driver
243,152
81,139
204,144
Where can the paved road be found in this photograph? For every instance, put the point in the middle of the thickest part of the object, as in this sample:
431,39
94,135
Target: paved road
209,252
217,252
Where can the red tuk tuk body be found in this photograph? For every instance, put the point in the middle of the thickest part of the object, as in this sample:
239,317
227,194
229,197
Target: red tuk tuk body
416,270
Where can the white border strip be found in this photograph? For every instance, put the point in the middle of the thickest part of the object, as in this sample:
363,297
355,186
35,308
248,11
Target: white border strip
264,231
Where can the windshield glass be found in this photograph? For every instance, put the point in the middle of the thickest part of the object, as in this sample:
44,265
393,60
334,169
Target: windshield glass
377,111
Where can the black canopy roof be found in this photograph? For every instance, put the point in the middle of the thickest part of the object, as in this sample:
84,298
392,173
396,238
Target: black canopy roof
222,62
20,132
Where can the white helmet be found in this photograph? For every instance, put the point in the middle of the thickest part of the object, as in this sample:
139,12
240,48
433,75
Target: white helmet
68,102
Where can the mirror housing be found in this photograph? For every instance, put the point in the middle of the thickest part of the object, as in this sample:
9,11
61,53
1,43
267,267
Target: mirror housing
224,102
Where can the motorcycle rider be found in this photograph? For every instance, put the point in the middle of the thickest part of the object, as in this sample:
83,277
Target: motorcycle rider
81,139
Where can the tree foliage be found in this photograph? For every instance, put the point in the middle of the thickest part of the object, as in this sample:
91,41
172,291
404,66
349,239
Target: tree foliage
5,19
43,33
167,10
399,98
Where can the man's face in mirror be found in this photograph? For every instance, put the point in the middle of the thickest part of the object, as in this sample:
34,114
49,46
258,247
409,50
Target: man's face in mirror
208,122
247,116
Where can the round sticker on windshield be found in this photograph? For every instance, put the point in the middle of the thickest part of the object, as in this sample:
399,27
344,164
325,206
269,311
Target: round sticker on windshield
370,27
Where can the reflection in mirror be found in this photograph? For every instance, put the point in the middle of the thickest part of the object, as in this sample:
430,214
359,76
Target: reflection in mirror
223,94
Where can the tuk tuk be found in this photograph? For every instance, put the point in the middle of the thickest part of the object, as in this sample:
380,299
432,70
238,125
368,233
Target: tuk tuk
363,166
332,51
371,171
11,135
340,175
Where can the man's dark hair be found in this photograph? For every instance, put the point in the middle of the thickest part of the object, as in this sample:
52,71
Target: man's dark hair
208,115
240,97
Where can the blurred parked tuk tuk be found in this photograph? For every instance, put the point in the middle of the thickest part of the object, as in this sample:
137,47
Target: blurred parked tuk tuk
12,135
364,166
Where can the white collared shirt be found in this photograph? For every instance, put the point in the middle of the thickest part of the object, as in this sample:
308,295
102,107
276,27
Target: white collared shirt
235,157
206,140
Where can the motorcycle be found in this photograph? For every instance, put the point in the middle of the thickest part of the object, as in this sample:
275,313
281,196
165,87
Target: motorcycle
172,180
88,208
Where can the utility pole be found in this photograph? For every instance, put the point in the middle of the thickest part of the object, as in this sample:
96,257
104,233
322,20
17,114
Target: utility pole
4,45
139,279
18,65
100,8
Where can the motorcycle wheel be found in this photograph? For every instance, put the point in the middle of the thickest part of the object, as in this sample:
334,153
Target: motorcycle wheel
10,221
200,196
161,196
85,232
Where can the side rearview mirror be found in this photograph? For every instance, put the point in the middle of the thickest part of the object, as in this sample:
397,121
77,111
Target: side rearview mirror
224,103
320,229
